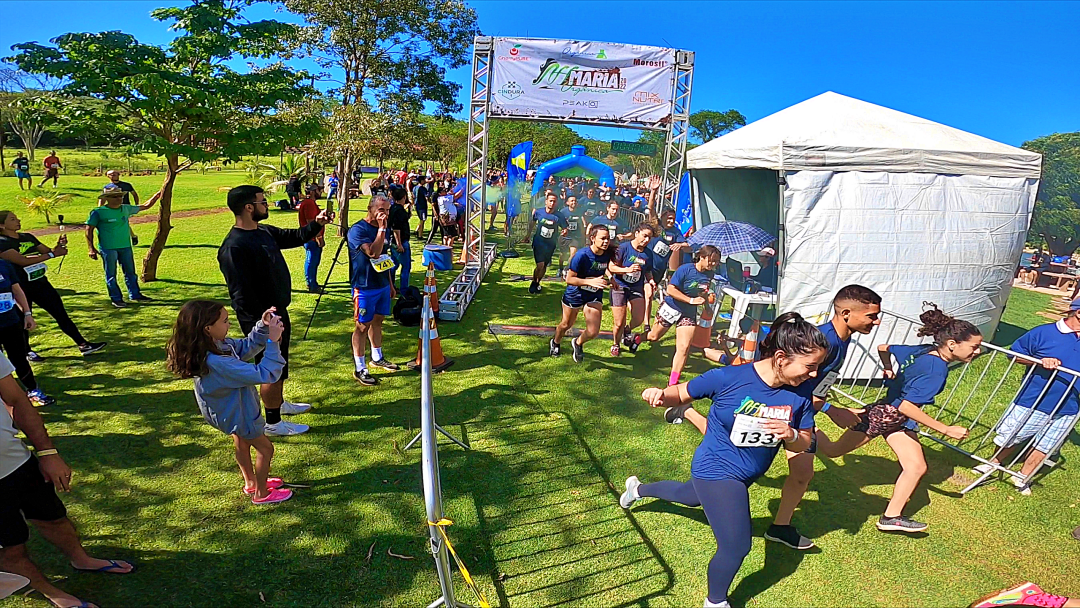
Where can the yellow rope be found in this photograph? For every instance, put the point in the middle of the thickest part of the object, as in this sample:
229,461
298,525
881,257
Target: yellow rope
442,523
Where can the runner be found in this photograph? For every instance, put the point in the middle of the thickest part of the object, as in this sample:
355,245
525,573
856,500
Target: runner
685,292
575,231
630,269
670,240
922,373
372,289
22,171
585,283
547,223
52,167
754,409
613,224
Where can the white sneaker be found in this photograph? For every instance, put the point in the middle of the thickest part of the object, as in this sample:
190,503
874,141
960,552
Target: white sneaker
289,409
285,428
1025,490
723,604
630,496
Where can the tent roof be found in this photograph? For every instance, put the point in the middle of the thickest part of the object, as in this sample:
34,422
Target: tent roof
835,132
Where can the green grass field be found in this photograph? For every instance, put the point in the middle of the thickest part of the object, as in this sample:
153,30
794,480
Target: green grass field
534,502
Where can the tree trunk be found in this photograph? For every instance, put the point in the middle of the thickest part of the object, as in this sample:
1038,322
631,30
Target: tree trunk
3,136
150,262
344,184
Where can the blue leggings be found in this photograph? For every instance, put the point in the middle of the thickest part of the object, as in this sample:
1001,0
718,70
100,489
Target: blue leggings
726,503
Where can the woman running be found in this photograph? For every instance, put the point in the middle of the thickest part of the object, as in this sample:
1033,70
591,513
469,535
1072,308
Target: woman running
585,283
755,409
29,255
630,270
919,377
665,247
685,292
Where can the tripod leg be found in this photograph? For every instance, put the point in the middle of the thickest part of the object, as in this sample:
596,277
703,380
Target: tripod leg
323,290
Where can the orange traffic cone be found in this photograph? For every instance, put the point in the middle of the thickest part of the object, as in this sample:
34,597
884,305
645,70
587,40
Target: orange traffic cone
703,332
439,361
748,352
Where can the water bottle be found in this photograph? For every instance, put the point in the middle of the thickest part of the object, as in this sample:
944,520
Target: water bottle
746,279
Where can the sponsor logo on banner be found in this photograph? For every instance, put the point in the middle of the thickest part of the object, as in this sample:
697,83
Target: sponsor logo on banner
582,103
650,64
578,80
511,91
568,53
647,97
515,54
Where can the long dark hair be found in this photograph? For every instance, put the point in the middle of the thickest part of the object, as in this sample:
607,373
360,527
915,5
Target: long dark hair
705,251
794,335
187,348
944,328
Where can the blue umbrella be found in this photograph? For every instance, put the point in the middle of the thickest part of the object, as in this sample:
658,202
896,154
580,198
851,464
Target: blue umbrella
732,237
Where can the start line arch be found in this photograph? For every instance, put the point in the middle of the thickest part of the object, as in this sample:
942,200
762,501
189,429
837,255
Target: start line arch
570,82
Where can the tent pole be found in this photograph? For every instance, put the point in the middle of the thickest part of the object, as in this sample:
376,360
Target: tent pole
781,237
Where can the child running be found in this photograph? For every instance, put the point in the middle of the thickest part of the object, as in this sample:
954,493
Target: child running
630,270
585,283
225,384
921,374
755,408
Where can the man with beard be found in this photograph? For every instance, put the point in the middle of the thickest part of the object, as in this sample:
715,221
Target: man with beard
258,279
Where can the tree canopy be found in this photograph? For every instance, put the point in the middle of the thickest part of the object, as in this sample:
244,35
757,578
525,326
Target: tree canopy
1057,209
707,125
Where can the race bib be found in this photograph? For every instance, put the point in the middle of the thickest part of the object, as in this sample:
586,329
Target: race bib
661,249
749,432
35,271
7,302
632,277
826,383
382,263
669,313
591,288
546,232
572,225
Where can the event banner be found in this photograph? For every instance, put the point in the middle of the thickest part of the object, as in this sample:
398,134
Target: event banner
568,80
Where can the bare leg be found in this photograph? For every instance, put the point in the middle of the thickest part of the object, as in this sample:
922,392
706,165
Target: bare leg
656,332
848,442
618,323
569,317
695,418
637,313
539,271
264,453
594,315
649,294
910,452
17,561
1032,462
273,394
683,336
62,534
800,472
247,471
360,339
374,333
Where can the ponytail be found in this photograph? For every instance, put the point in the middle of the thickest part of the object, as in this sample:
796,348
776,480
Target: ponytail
943,327
793,335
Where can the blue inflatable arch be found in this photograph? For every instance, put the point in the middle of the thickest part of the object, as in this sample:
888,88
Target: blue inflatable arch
575,163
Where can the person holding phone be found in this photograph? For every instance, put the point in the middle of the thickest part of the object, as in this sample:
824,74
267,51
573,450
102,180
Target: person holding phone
373,290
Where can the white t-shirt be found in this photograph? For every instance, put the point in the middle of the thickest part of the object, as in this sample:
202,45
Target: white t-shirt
13,453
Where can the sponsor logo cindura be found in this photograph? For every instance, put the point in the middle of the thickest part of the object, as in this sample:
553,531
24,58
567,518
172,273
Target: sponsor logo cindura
511,90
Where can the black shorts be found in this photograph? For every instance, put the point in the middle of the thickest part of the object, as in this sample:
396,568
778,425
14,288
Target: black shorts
658,276
581,297
247,324
622,297
26,495
543,252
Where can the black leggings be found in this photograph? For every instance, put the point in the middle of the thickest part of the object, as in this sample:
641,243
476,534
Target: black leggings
13,339
43,294
726,503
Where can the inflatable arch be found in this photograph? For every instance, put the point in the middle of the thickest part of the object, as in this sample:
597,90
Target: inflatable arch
574,164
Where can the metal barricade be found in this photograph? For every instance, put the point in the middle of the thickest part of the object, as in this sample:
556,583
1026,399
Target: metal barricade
630,218
976,393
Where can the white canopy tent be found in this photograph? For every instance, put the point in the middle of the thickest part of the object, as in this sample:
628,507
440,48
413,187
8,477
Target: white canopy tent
913,209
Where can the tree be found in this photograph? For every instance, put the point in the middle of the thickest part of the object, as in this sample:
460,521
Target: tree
1056,216
388,59
184,101
707,125
446,141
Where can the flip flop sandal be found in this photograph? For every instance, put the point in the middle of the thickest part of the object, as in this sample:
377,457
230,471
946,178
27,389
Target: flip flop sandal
275,496
272,483
114,567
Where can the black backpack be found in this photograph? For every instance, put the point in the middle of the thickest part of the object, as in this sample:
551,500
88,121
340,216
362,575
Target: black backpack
407,309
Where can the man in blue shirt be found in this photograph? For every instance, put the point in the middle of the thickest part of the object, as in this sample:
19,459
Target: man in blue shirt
1053,345
372,290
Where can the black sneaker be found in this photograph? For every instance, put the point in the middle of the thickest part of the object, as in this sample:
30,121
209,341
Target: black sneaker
34,357
675,415
579,351
534,287
142,298
900,524
788,535
554,349
90,347
119,304
385,364
365,378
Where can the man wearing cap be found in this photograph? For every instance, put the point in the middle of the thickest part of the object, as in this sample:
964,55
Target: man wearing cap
766,276
1053,345
130,195
307,212
114,239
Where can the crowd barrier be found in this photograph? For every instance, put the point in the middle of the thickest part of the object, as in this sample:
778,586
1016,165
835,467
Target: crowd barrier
977,392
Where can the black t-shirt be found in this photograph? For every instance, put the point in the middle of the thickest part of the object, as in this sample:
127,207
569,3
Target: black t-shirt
22,164
399,220
254,269
125,188
25,244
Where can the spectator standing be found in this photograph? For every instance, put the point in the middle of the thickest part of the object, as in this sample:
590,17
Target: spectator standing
114,239
52,167
292,190
22,170
399,227
258,278
131,197
309,210
420,200
372,288
332,186
28,485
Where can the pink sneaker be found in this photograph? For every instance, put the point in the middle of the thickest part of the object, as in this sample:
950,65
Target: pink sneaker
272,483
275,496
1024,594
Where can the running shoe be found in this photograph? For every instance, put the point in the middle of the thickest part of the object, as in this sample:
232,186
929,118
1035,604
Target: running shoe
1025,490
275,496
630,496
788,535
36,358
285,428
364,377
385,364
272,483
579,351
615,350
554,349
289,408
675,415
723,604
627,339
39,398
119,304
534,287
900,524
1024,594
90,347
635,343
142,298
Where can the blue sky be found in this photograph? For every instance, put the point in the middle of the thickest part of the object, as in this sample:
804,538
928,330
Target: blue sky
1007,71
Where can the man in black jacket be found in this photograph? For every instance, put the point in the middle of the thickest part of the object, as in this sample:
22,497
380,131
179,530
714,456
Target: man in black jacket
258,278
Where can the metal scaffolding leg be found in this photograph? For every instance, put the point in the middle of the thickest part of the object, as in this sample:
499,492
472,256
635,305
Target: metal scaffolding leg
678,130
